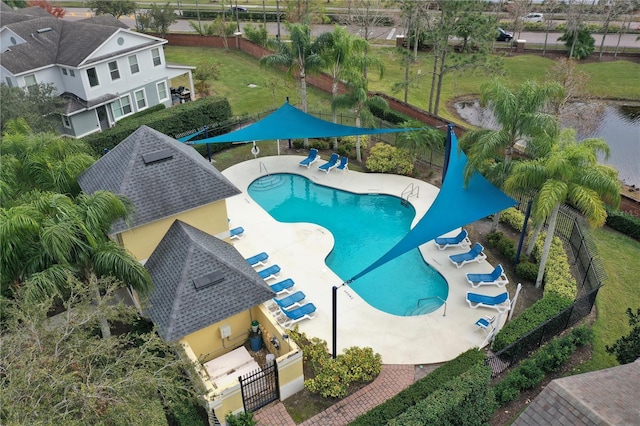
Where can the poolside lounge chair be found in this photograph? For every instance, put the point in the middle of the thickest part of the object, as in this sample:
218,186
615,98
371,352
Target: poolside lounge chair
473,255
236,233
311,158
333,162
501,302
291,301
271,272
344,164
460,240
497,277
485,323
292,316
282,287
258,260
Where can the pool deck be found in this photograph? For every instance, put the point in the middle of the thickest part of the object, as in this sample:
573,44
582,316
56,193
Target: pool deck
300,250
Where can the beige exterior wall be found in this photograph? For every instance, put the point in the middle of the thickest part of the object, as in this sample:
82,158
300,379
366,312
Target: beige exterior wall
211,218
208,344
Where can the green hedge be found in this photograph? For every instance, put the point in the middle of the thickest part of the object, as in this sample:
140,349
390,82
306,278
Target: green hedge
624,222
464,400
389,115
170,121
549,358
418,391
547,307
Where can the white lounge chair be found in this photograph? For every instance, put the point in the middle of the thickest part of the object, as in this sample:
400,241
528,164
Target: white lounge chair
497,277
474,255
460,240
271,272
292,316
501,302
283,287
236,233
485,323
344,164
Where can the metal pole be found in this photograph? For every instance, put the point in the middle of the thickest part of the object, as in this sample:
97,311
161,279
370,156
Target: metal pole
524,232
334,330
278,18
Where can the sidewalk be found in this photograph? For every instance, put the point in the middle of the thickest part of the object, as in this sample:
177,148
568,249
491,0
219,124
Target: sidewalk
391,380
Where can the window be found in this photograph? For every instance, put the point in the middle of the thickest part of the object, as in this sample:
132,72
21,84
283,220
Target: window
162,91
133,64
9,82
66,122
93,77
155,54
64,71
121,107
72,73
141,102
30,81
114,71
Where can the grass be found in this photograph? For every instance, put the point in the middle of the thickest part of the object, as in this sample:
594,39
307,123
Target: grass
620,255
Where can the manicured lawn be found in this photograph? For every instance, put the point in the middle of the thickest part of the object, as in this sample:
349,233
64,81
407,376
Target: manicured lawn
620,256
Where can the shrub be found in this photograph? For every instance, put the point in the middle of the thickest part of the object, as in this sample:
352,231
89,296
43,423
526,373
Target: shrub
185,413
514,218
170,121
503,244
624,222
298,143
332,377
527,270
627,348
419,390
493,238
548,358
319,144
557,273
584,44
545,308
384,158
241,419
464,400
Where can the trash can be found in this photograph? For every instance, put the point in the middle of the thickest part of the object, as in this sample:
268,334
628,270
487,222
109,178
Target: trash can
271,358
255,341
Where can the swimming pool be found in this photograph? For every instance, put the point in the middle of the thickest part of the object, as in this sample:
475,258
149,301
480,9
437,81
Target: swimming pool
364,227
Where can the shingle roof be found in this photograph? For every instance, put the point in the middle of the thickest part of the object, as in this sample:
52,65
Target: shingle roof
181,182
184,255
603,397
67,43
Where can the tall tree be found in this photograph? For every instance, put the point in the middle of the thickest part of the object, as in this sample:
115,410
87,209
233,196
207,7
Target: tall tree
569,172
116,8
43,161
344,57
357,99
39,105
420,142
451,24
159,18
56,11
300,57
59,372
521,117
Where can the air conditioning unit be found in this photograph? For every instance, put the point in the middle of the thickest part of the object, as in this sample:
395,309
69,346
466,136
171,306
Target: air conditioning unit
225,331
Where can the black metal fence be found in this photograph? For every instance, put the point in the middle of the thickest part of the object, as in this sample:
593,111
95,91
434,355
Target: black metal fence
589,274
260,387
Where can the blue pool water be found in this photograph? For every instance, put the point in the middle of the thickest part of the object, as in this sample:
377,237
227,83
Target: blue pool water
364,227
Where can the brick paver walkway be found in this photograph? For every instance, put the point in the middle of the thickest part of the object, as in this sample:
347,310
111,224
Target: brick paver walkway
391,380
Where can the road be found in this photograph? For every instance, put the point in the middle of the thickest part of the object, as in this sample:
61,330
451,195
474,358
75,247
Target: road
379,33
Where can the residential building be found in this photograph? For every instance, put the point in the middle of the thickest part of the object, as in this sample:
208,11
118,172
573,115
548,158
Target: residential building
104,70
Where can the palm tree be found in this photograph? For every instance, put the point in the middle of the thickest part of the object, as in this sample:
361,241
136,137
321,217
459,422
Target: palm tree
568,173
521,117
44,161
357,99
345,55
420,141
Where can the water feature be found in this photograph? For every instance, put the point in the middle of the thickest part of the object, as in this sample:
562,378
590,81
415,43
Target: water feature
617,123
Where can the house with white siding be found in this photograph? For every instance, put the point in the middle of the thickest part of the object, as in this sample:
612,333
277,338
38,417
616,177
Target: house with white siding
104,70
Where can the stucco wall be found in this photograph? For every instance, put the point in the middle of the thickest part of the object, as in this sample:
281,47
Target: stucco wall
211,218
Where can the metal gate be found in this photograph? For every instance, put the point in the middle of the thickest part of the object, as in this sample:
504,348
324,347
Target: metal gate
260,387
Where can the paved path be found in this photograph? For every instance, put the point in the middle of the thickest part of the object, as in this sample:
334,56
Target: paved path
391,380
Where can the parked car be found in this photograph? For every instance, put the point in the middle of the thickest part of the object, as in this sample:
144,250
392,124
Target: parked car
533,17
238,8
503,35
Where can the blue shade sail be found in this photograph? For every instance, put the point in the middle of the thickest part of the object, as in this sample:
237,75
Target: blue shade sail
454,206
288,122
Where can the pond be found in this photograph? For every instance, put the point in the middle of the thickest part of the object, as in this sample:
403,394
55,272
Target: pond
617,123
